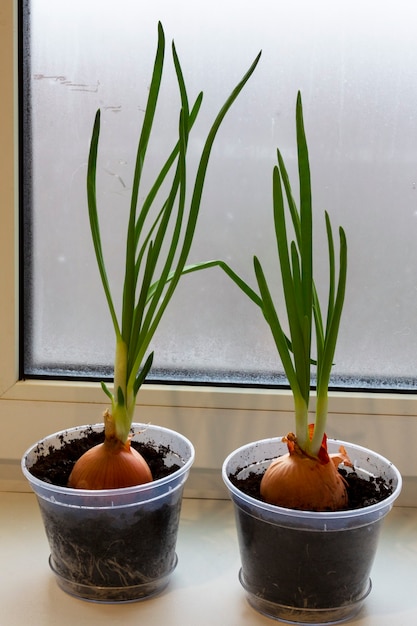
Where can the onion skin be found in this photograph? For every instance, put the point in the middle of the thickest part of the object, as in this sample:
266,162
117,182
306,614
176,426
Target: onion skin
110,465
297,480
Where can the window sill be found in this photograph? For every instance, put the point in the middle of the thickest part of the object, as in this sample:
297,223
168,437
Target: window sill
216,420
203,590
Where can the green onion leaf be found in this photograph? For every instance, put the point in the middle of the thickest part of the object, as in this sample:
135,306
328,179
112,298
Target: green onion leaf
158,238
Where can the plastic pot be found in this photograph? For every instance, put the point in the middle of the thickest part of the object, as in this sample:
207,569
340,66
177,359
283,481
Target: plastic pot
115,545
300,566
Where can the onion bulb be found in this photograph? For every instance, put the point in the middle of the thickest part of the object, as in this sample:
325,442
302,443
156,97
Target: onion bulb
297,480
110,465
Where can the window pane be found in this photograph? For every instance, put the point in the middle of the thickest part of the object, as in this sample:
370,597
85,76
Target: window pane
355,65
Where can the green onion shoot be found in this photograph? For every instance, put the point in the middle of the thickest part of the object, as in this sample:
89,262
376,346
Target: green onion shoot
159,238
307,477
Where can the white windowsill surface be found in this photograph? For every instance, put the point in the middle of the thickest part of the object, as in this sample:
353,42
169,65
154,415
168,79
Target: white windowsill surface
204,589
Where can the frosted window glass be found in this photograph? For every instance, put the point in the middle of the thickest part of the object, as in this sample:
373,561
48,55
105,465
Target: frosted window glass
355,64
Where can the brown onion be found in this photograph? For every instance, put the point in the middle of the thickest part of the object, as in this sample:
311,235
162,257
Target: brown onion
297,480
110,465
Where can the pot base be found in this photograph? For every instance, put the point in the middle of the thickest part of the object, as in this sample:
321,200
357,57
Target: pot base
113,595
294,615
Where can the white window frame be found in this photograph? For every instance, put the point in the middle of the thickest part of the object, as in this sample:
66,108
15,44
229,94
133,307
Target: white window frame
216,419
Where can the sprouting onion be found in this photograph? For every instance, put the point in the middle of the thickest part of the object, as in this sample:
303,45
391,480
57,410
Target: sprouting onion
305,320
158,243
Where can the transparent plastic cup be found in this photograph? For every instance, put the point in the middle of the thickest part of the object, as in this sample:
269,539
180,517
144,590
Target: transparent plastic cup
114,545
300,566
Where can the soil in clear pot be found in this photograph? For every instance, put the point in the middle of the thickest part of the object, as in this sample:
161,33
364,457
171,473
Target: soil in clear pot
298,568
115,553
124,550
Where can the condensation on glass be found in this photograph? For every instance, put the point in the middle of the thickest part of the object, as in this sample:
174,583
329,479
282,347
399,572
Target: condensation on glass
355,64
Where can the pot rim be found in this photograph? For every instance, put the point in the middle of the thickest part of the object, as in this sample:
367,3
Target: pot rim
383,506
139,427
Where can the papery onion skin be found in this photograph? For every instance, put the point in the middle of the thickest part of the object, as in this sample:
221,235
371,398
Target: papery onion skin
110,465
297,480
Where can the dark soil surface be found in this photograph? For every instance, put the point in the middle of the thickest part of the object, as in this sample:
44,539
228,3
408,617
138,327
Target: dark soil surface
56,465
361,492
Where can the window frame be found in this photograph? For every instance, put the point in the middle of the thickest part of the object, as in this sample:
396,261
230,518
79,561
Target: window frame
216,419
